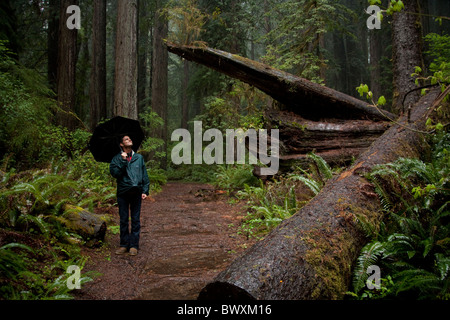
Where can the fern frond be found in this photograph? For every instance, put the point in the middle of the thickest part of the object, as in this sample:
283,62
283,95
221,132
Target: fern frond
322,165
370,254
418,279
442,265
312,184
366,226
382,194
399,244
415,167
12,263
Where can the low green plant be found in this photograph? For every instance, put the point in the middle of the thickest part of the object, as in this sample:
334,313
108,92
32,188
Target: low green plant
234,177
24,277
319,173
412,247
271,203
32,203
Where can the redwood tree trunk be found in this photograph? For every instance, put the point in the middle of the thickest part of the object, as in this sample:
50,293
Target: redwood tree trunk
310,255
125,90
98,72
66,73
160,74
337,126
406,54
184,96
52,43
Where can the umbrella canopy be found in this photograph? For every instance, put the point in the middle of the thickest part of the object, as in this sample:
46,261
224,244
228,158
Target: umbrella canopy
104,143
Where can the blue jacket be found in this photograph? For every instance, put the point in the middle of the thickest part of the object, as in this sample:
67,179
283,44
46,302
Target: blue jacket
130,174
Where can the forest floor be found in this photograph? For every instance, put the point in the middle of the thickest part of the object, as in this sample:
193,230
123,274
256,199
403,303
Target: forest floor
188,235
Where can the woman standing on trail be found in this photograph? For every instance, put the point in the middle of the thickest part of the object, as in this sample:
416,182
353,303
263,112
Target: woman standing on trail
133,184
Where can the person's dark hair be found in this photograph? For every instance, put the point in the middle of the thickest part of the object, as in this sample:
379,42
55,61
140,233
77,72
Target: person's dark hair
121,137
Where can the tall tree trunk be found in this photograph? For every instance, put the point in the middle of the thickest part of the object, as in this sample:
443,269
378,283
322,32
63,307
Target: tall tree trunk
143,29
375,63
52,43
184,96
111,20
66,73
125,90
160,74
98,72
406,53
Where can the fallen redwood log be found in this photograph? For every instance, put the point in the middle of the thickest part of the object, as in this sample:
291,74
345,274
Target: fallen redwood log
336,141
310,255
315,118
303,97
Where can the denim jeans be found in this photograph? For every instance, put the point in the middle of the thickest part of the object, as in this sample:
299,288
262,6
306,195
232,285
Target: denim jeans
130,205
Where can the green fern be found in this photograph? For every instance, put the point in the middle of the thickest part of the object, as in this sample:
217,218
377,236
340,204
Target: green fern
322,166
384,197
413,245
12,263
312,184
369,255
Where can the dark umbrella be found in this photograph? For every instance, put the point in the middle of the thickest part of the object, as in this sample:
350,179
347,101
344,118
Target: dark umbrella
104,143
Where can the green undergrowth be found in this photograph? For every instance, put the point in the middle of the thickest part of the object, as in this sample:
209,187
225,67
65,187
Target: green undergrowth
36,244
412,247
268,204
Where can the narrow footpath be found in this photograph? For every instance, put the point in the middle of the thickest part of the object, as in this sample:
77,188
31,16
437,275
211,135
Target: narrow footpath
188,235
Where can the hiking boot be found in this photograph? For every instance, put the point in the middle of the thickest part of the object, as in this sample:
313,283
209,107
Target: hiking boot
121,250
133,252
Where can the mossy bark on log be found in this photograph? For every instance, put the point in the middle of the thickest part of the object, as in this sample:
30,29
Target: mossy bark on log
310,255
88,225
337,141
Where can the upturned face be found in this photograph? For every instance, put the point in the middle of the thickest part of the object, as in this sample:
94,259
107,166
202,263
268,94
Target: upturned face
126,142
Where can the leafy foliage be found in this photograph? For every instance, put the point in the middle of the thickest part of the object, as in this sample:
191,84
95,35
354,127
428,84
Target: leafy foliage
31,207
412,247
295,42
187,20
269,204
27,134
22,277
439,51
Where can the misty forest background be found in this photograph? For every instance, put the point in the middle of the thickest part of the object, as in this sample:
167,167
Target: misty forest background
57,84
323,41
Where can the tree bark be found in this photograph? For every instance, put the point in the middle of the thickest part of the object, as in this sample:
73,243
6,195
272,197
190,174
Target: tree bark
184,96
375,63
143,43
305,98
66,73
88,225
160,75
406,54
337,141
310,255
98,72
125,89
52,43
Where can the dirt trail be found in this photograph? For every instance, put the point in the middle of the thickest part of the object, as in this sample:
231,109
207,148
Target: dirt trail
186,240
